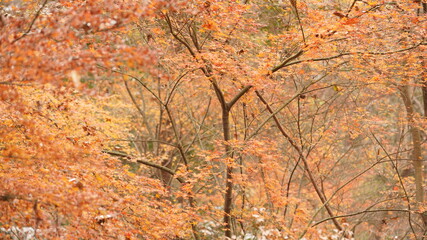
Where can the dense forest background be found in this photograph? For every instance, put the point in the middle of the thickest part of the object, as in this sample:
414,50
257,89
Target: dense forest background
213,119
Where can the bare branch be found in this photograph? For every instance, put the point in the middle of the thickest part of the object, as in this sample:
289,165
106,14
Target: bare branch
294,6
137,107
358,213
238,96
400,181
168,170
144,141
175,35
349,53
285,63
274,113
136,79
120,154
177,81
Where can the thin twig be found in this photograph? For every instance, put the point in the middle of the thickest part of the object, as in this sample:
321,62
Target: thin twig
358,213
32,22
400,181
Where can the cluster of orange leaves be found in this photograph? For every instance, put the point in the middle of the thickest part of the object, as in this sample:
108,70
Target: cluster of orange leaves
54,176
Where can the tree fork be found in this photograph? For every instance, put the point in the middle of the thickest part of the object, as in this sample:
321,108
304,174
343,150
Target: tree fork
226,108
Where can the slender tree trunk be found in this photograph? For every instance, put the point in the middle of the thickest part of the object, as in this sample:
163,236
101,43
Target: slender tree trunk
423,10
424,90
226,108
416,142
228,198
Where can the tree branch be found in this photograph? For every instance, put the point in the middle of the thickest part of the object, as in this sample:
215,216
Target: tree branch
32,22
168,170
168,21
143,141
358,213
320,194
120,154
138,108
284,63
346,54
274,113
219,94
238,96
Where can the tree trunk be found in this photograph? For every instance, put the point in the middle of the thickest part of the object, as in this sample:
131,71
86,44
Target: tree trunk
228,198
416,142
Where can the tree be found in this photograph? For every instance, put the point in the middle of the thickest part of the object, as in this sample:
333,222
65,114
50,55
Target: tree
56,181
